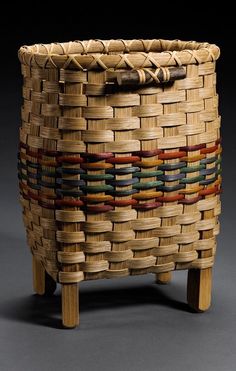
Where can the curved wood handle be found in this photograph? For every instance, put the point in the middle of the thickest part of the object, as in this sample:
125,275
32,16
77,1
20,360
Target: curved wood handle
147,76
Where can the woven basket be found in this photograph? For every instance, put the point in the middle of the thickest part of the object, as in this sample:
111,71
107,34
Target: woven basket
119,163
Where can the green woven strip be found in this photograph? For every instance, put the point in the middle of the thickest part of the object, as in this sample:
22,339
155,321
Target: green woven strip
96,176
192,169
147,185
192,180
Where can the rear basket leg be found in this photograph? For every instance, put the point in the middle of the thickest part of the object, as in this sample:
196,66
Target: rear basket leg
43,283
163,278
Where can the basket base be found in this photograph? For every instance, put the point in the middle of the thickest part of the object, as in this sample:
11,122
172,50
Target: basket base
198,291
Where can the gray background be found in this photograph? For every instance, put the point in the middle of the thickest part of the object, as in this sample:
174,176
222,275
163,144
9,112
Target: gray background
126,324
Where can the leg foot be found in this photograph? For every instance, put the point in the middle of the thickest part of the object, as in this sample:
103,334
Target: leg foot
199,289
70,305
163,278
38,276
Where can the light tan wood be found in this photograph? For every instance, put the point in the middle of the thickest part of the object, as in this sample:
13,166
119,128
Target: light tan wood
163,278
200,280
70,305
38,276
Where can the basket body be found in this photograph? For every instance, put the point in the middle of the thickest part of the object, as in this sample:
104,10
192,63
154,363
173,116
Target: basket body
119,180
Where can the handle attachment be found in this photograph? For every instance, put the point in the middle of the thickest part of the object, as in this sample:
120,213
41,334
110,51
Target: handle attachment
146,76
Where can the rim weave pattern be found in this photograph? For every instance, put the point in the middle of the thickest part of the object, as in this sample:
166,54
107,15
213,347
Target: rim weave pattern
119,180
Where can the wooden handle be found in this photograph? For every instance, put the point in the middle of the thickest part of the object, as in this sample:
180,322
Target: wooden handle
147,76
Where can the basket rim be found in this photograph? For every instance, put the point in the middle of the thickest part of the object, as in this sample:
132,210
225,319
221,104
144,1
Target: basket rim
117,54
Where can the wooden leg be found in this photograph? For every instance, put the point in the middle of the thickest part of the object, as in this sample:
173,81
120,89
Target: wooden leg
70,305
163,278
38,276
199,289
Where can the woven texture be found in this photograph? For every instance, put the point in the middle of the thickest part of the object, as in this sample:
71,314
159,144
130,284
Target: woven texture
116,180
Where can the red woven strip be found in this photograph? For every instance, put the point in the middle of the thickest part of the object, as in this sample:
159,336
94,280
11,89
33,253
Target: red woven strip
23,145
70,159
150,153
123,160
122,202
172,155
98,209
33,154
196,147
208,191
147,205
189,201
219,140
98,156
69,202
46,205
209,149
170,198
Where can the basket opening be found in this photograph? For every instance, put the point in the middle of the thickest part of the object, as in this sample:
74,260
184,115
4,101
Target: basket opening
115,46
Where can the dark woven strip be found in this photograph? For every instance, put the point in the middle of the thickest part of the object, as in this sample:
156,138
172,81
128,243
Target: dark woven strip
97,189
68,170
171,178
71,182
170,188
176,166
125,192
209,181
67,192
123,182
123,170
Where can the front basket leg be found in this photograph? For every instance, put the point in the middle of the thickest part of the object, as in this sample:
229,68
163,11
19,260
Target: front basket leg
199,289
70,305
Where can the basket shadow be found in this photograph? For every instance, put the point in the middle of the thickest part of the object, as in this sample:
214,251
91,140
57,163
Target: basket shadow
46,311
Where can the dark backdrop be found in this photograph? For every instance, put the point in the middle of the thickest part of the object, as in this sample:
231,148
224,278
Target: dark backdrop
161,328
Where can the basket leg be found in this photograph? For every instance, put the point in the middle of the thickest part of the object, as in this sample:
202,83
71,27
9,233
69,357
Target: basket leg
163,278
70,305
38,276
199,289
